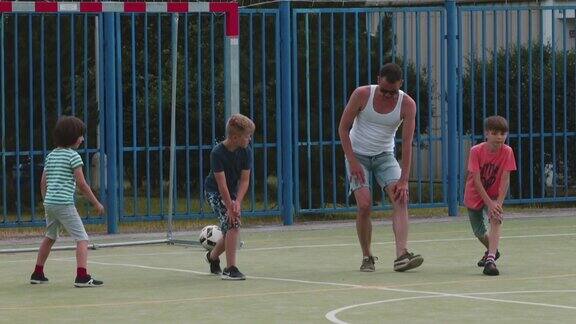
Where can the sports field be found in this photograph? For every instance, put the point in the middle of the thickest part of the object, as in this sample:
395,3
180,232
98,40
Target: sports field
303,275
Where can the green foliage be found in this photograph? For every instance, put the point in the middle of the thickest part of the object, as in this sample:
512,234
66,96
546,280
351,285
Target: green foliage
330,65
538,103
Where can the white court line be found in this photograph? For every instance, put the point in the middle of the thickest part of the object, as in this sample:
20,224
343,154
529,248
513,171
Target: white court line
432,293
331,315
107,256
150,268
522,292
288,247
410,242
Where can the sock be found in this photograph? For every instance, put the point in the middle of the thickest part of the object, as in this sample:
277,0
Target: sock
81,272
39,269
490,257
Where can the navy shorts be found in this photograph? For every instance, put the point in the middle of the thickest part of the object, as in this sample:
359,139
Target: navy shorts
215,200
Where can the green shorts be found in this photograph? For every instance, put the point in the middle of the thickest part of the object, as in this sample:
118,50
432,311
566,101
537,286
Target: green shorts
479,221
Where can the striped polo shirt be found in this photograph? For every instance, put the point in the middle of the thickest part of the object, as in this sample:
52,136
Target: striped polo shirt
59,168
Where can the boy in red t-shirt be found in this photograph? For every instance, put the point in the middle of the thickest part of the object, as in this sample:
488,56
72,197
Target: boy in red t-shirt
489,167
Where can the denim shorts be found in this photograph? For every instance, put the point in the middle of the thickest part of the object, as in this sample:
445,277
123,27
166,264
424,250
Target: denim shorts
215,201
64,216
384,166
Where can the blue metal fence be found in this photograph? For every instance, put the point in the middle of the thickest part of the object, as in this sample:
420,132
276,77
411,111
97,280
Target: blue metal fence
295,82
337,50
200,111
42,77
132,51
520,62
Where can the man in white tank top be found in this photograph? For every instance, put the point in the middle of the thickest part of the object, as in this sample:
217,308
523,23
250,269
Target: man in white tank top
367,130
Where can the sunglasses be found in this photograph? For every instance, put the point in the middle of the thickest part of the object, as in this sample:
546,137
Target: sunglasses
389,92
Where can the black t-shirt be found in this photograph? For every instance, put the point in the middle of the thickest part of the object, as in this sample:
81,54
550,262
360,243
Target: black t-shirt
232,163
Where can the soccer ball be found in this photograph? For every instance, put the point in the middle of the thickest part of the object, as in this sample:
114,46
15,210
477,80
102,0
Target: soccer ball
209,236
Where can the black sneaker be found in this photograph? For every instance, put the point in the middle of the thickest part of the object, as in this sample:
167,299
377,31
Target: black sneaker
408,261
368,264
490,269
482,261
87,281
214,264
38,278
232,273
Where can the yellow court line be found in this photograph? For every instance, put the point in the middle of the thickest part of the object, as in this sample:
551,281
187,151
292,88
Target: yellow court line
165,301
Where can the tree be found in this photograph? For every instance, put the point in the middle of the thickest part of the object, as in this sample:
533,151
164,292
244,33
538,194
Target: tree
533,89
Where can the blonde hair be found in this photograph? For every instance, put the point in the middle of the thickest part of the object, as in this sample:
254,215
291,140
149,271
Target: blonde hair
239,124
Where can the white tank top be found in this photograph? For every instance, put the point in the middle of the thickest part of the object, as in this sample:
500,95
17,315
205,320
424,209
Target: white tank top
373,133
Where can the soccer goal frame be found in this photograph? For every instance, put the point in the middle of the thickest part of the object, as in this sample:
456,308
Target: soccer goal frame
230,10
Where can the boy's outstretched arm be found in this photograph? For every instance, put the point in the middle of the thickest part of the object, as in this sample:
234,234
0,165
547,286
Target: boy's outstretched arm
224,193
242,187
493,207
43,185
503,190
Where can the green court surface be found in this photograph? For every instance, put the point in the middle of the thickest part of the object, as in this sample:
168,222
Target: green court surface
311,276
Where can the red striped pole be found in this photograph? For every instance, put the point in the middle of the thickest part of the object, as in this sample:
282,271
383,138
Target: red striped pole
230,9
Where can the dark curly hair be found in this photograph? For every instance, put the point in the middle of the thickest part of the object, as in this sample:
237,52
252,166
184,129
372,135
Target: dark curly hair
67,131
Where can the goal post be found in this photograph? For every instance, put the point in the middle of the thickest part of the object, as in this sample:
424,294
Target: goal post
230,11
231,88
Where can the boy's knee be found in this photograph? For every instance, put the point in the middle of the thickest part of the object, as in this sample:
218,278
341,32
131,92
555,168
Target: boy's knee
50,239
81,243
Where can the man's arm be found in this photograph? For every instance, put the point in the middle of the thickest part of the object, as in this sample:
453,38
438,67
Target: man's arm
408,127
408,116
353,108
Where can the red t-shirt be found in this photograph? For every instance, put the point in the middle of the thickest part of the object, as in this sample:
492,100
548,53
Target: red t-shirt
491,166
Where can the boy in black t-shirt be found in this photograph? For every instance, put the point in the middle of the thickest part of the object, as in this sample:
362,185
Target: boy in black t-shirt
225,187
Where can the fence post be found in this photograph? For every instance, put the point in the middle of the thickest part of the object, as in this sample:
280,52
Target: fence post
287,182
111,149
451,74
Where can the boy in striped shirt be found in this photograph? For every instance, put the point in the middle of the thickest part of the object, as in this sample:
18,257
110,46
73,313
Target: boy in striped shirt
62,171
